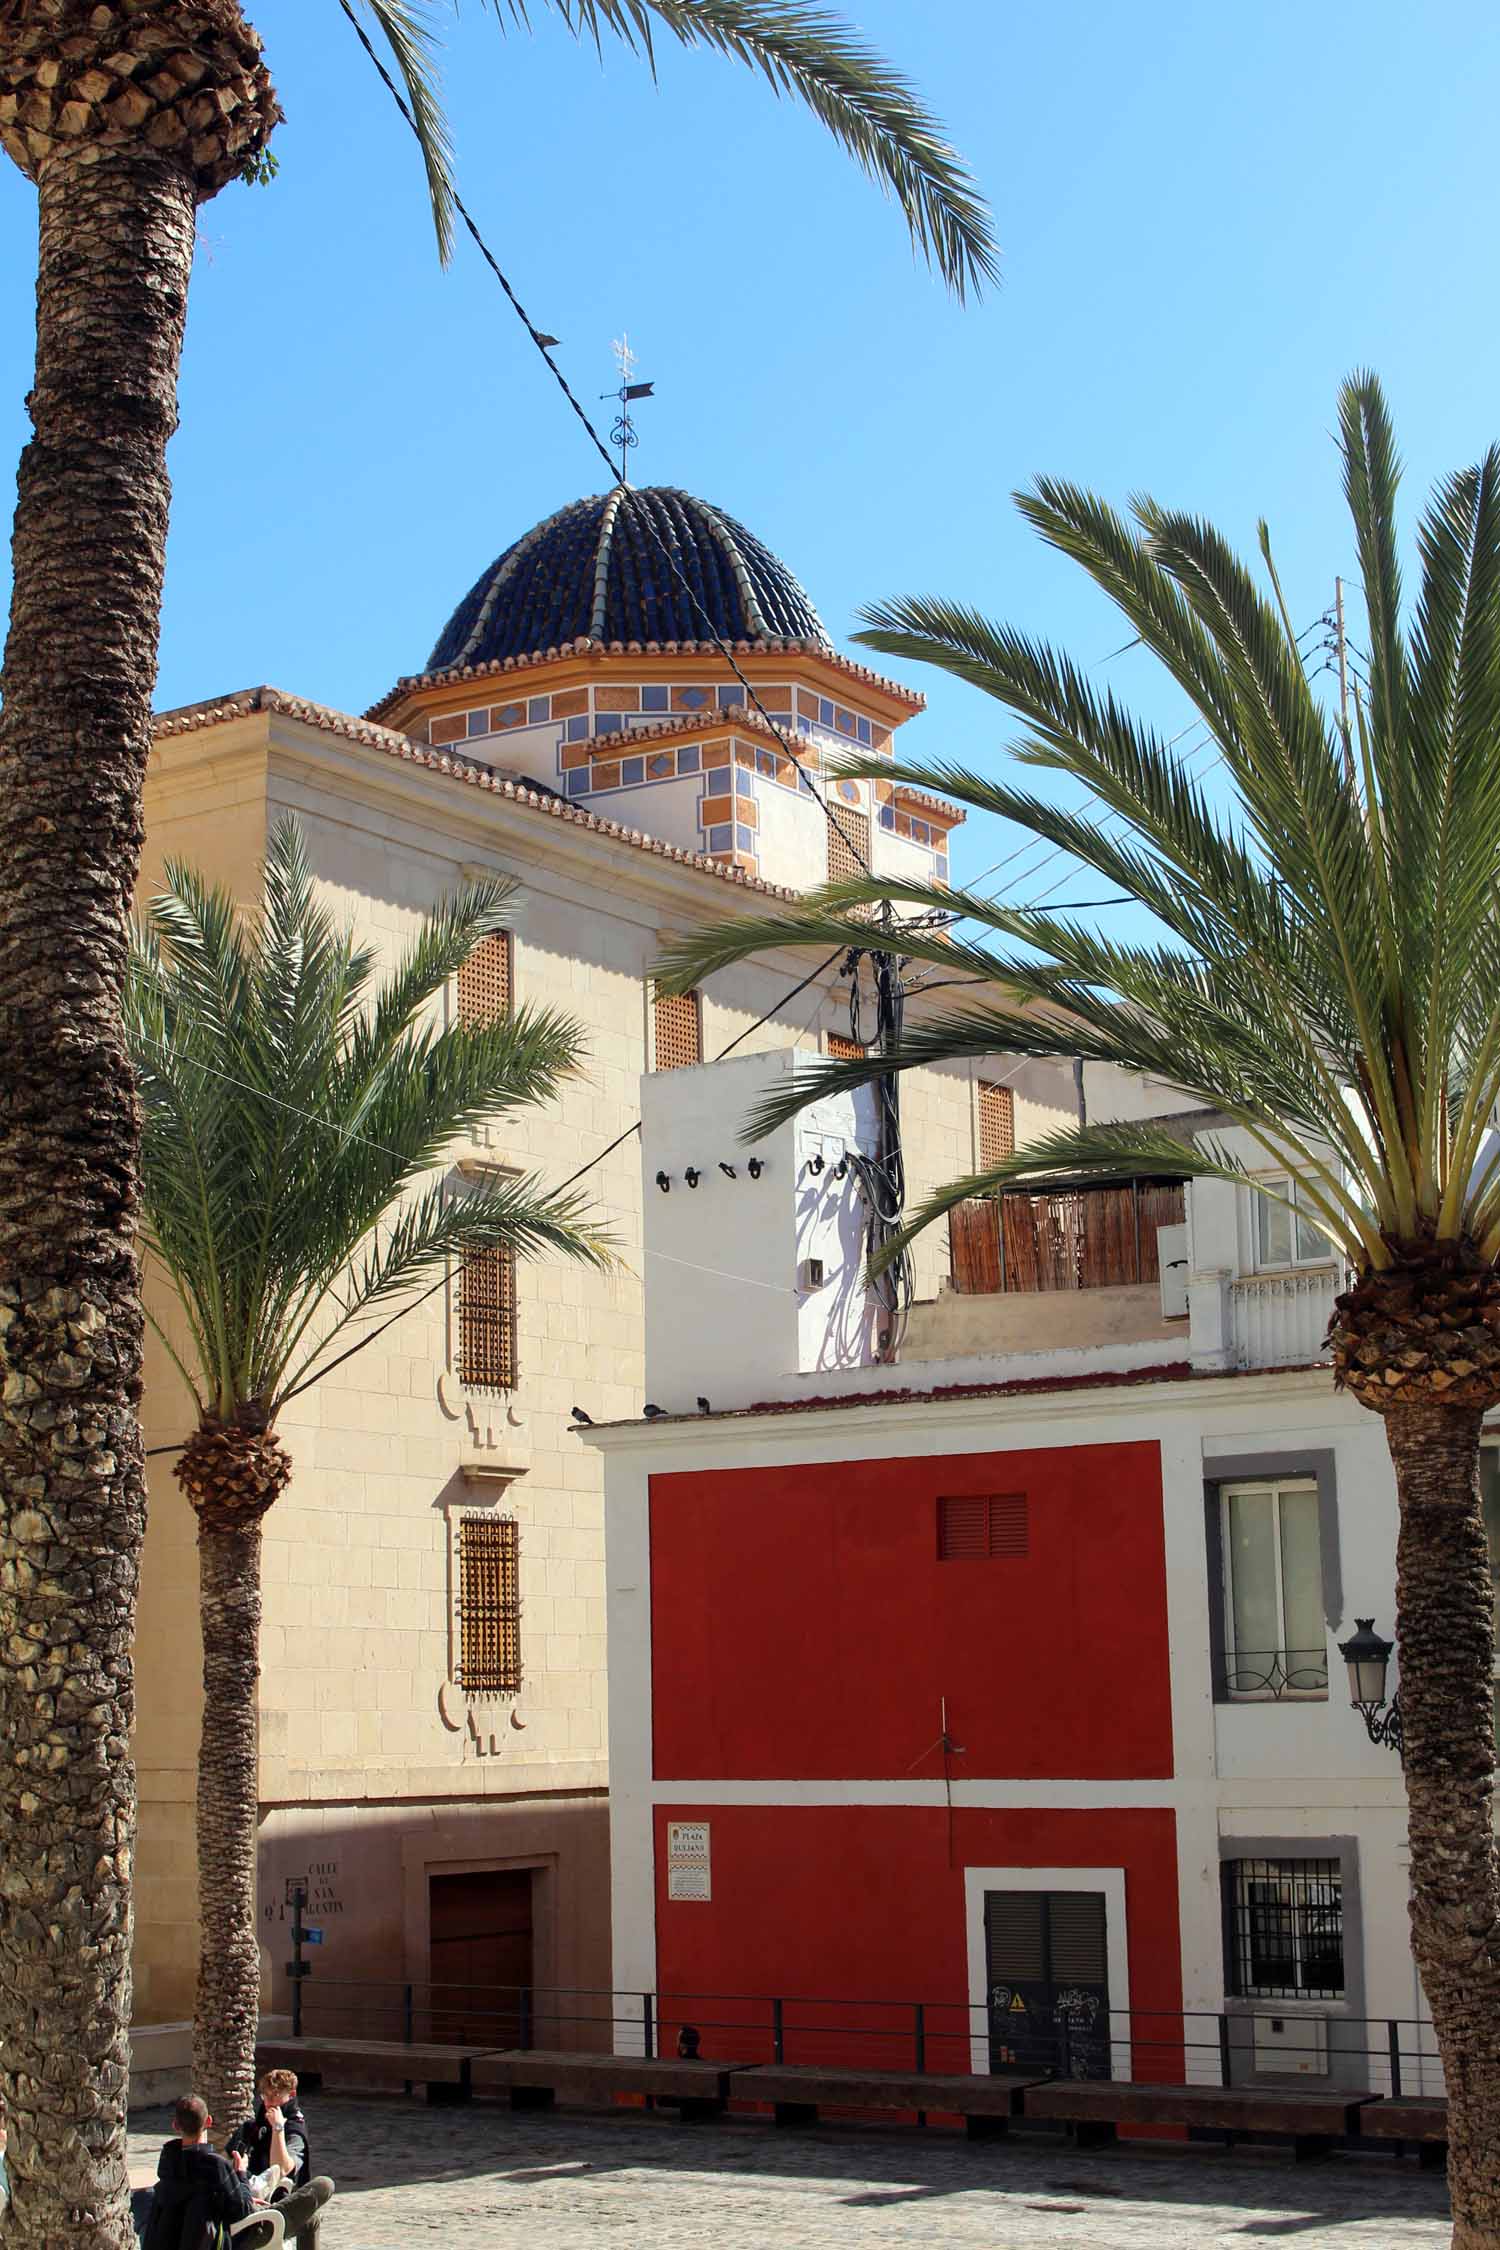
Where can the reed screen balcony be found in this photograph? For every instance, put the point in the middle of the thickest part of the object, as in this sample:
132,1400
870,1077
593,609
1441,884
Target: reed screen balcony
1023,1244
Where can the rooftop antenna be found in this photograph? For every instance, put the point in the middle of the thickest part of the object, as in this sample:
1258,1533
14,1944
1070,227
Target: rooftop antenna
622,433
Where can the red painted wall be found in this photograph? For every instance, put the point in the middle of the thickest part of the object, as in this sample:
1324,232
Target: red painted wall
850,1913
803,1627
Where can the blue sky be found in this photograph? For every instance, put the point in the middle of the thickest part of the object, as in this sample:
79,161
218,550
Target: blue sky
1207,215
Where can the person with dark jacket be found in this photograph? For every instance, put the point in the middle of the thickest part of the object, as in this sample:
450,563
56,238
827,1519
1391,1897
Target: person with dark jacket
277,2136
197,2191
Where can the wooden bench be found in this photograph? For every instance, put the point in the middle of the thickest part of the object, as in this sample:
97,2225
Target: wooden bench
534,2078
442,2071
1098,2107
1420,2119
797,2091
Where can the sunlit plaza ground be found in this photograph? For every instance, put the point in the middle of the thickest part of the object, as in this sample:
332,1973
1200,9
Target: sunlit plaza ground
481,2176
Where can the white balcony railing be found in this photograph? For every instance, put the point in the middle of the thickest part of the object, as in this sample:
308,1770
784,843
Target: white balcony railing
1281,1319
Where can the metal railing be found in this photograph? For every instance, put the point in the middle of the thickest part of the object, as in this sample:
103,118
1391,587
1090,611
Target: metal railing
1281,1319
1219,2047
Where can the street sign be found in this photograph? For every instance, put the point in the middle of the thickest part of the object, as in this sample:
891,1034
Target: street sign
688,1866
312,1937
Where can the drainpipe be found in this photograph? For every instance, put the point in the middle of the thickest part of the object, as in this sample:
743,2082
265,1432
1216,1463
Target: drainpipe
1083,1107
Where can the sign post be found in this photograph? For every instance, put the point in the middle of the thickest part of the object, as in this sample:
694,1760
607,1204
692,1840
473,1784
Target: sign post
297,1968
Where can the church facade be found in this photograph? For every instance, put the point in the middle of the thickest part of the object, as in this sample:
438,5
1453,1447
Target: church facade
433,1712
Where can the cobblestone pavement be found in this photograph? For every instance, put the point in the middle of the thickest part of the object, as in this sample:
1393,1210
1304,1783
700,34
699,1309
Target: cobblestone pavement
480,2176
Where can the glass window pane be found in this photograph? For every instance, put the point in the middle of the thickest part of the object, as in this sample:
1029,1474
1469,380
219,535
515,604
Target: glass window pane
1254,1624
1302,1591
1489,1493
1310,1244
1273,1232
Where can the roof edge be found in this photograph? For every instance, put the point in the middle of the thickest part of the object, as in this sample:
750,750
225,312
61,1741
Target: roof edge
195,718
413,683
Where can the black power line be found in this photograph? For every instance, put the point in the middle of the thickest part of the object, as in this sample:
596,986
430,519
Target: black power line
641,515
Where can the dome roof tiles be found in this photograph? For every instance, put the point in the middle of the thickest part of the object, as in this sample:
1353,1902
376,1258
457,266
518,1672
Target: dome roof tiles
653,564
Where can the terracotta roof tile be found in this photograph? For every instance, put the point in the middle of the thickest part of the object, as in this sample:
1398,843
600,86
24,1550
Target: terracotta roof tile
1125,1378
498,667
192,718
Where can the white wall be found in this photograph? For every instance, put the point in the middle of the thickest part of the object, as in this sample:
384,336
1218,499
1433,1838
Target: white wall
729,1314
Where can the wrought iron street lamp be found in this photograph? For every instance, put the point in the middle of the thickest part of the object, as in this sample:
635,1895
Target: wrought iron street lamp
1368,1658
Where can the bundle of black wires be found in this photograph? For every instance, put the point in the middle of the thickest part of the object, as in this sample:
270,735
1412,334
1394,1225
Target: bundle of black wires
883,1175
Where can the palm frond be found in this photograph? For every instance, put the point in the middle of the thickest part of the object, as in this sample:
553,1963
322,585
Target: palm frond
297,1108
870,109
409,31
1327,976
1079,1155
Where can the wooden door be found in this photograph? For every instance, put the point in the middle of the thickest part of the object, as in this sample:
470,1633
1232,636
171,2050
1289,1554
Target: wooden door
481,1964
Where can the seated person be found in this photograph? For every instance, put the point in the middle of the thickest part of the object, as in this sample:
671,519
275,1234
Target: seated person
275,2140
198,2195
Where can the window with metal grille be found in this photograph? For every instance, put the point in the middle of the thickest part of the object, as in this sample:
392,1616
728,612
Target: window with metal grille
485,981
997,1124
844,1050
1285,1922
489,1605
487,1320
679,1030
849,851
982,1528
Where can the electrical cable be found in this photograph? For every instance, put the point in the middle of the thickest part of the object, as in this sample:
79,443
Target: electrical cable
891,1167
573,1178
616,480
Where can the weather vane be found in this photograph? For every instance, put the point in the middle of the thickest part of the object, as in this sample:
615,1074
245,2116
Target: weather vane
622,433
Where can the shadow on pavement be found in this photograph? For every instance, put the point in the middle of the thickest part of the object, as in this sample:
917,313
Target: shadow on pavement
381,2143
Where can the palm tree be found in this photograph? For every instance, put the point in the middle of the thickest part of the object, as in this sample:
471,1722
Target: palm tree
127,114
1328,977
294,1114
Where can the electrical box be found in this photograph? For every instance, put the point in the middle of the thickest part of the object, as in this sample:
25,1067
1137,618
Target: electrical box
1293,2046
1172,1257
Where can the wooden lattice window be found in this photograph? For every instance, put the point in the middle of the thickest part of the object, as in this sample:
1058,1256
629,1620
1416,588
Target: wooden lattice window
848,845
997,1125
679,1030
844,1050
489,1605
487,1320
485,981
983,1527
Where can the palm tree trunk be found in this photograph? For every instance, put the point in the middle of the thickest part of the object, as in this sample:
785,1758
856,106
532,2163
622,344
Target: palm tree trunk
231,1472
80,666
1445,1625
227,2012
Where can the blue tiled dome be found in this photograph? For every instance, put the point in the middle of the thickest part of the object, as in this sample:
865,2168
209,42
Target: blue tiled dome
595,569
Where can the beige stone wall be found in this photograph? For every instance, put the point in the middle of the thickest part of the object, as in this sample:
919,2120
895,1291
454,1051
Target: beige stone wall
357,1701
367,1871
